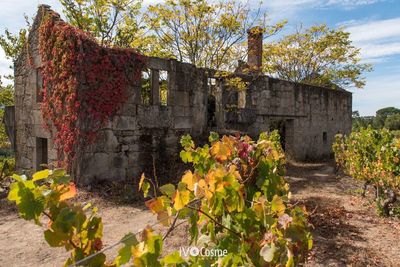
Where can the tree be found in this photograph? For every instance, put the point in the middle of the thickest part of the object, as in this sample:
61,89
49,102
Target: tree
112,22
318,56
206,34
392,122
6,99
13,44
383,114
361,121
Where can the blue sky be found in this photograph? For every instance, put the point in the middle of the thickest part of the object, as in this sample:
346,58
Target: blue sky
374,26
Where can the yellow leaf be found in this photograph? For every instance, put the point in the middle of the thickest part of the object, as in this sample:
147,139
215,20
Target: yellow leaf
181,199
70,193
40,175
141,181
214,176
277,205
156,205
138,251
221,151
164,218
190,179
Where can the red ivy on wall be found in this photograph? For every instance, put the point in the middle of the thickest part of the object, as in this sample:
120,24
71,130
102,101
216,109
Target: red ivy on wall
83,84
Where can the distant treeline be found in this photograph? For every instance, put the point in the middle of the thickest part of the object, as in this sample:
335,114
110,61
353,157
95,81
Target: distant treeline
384,118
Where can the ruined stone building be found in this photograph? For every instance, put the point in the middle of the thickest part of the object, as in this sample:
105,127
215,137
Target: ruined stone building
196,102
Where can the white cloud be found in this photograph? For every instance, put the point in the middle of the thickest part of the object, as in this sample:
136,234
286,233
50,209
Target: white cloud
381,91
379,50
5,67
376,38
350,4
375,30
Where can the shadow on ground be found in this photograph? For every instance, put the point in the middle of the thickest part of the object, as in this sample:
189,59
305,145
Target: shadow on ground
337,241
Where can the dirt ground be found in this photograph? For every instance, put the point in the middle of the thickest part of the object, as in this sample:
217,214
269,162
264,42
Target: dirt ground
347,231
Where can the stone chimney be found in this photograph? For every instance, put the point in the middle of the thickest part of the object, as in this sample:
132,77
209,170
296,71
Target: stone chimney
254,48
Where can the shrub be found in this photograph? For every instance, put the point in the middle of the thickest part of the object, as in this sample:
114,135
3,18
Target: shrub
235,199
372,156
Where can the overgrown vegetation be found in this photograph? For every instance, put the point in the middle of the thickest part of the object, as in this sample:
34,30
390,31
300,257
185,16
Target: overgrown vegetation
234,198
388,118
69,56
373,157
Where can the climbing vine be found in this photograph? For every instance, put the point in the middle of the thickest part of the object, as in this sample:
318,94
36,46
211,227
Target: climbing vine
83,84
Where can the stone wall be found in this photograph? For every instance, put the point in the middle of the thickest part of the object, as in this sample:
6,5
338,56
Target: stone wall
307,117
138,132
29,131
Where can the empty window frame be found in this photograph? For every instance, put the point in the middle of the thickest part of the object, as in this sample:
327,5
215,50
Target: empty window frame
325,137
39,86
154,90
42,159
163,87
242,99
145,92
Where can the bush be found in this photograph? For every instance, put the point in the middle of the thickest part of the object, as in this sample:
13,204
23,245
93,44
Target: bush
7,167
373,157
235,199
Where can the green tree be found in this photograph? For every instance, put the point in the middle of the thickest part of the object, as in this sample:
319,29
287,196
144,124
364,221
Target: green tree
204,33
317,55
112,22
383,114
13,44
392,122
6,99
361,121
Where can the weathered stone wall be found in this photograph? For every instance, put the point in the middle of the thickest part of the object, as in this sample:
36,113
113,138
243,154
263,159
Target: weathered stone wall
308,117
28,119
139,133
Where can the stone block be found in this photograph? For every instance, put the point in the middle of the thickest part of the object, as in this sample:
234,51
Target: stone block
183,123
124,123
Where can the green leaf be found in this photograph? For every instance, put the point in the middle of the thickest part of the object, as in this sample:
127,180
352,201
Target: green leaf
290,262
55,239
125,253
173,258
145,188
267,252
30,202
168,189
186,156
65,220
187,142
213,137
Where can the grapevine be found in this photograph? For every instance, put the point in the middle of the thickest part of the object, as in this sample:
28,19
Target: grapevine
234,199
372,156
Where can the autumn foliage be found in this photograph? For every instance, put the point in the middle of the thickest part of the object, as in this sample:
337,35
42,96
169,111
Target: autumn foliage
373,157
83,84
234,199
